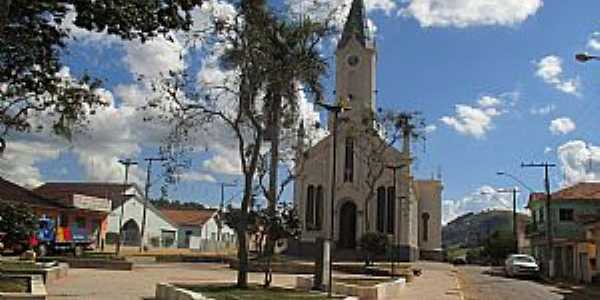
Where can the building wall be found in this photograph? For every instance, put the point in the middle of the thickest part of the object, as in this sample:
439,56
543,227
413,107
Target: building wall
96,223
430,202
156,225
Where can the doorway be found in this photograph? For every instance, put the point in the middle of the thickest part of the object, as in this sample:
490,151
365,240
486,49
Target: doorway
347,230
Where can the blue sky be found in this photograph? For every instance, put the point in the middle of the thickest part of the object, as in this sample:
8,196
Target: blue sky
498,83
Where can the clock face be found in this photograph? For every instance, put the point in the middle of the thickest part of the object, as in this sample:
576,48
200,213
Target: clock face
353,60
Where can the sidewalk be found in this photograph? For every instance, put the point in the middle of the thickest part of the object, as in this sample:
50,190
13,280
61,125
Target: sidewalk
438,282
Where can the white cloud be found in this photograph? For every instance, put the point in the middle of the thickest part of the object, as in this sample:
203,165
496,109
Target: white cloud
477,120
464,13
197,176
430,128
19,162
338,10
550,70
154,57
579,162
547,150
484,198
544,110
561,126
594,41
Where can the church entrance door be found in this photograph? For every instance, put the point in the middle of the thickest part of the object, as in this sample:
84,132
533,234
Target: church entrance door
348,226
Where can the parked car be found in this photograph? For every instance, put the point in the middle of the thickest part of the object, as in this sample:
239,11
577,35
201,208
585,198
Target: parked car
521,265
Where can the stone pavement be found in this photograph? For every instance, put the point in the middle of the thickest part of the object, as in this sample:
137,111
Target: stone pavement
140,283
437,282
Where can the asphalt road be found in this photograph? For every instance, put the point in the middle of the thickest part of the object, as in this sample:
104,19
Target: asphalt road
490,284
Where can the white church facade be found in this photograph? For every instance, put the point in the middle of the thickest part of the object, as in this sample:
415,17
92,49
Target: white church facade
407,210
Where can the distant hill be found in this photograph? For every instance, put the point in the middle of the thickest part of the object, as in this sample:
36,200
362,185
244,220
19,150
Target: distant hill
470,230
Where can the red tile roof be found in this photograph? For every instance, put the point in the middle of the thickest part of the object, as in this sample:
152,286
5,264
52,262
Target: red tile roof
579,191
107,190
190,217
11,192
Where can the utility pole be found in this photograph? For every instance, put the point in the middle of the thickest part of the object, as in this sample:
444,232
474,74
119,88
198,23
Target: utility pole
127,163
146,192
514,192
221,207
394,169
336,109
549,257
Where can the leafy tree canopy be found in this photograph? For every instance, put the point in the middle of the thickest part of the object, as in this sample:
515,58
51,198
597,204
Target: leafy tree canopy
17,222
32,38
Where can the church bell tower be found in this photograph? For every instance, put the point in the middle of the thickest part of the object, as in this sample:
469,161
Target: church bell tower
356,60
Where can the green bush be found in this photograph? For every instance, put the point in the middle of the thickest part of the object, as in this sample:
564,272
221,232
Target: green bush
18,222
373,244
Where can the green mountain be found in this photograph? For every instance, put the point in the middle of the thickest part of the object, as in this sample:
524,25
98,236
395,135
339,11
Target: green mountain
471,229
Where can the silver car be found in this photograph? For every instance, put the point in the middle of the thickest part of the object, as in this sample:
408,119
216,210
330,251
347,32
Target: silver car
521,265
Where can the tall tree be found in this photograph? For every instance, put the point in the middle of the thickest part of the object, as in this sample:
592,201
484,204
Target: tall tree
34,93
380,132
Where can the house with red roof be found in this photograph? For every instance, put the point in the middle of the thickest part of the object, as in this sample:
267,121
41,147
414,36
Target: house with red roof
200,229
573,211
82,213
126,212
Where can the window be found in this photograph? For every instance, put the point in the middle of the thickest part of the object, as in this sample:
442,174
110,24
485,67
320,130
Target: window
349,160
380,209
425,218
566,215
319,207
391,210
541,215
310,207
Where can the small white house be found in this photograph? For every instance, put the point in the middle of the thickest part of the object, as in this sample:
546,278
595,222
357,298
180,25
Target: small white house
198,229
127,212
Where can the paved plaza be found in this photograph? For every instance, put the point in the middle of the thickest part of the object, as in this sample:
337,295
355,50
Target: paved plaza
437,282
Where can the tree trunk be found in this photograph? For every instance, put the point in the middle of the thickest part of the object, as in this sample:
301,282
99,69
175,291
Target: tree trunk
273,175
242,278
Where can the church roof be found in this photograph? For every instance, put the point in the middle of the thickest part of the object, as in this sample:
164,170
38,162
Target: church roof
356,25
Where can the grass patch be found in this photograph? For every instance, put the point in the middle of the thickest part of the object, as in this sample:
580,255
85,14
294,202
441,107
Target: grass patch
19,265
254,293
14,285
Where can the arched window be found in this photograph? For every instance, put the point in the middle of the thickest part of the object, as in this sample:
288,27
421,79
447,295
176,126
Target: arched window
320,206
391,209
425,217
381,209
310,207
349,160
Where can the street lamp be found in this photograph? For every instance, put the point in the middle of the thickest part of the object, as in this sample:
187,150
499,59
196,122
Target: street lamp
336,109
516,179
394,169
584,57
514,192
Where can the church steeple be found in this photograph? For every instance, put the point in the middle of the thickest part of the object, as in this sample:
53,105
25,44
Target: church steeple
356,25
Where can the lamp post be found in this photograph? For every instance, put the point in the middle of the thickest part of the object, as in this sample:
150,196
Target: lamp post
394,169
514,192
336,109
584,57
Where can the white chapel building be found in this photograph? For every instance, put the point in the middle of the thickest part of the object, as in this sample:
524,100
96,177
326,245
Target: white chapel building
409,215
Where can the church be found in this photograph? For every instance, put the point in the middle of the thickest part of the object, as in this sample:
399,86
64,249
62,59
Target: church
411,217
